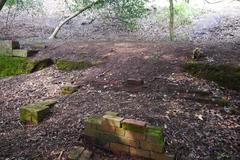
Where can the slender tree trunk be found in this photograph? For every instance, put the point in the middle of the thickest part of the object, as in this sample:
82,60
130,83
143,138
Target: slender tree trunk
171,21
2,2
57,29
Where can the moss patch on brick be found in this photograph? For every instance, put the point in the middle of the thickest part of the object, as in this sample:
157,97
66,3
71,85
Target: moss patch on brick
225,75
155,134
11,66
68,65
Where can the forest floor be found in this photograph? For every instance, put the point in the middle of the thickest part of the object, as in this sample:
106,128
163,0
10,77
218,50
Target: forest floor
194,128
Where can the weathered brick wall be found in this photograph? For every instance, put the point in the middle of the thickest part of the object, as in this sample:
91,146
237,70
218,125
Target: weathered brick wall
126,136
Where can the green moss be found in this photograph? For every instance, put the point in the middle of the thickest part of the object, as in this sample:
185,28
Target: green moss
11,66
35,112
65,90
155,134
225,75
68,65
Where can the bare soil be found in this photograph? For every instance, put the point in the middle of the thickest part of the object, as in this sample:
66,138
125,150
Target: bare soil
194,129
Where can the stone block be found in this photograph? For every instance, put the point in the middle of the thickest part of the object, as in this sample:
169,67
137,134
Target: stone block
119,148
91,132
134,125
69,89
6,47
159,148
33,113
112,120
135,136
94,122
161,156
119,131
155,135
111,113
21,53
107,128
139,152
129,142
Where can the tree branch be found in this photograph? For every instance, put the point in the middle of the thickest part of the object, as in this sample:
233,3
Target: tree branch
57,29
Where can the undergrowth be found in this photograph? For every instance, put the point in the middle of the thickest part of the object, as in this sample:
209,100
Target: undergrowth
224,75
11,66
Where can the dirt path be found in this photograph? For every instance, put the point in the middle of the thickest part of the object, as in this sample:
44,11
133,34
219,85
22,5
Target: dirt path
194,129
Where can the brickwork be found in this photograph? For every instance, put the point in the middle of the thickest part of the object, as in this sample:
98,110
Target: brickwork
126,136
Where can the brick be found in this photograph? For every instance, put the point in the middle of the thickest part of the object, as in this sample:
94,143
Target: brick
111,113
139,153
91,132
134,125
152,147
86,155
75,153
161,156
119,131
155,135
135,136
107,128
129,142
104,138
21,53
6,47
112,120
118,148
35,112
134,82
94,122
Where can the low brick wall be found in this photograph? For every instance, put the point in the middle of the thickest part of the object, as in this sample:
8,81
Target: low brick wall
126,136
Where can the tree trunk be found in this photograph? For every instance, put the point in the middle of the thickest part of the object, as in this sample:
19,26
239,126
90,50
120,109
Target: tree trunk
171,21
57,29
2,2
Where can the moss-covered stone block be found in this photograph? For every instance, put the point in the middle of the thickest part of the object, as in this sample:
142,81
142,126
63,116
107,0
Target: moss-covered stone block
68,65
112,120
110,113
7,46
21,53
154,134
94,122
66,90
134,125
36,112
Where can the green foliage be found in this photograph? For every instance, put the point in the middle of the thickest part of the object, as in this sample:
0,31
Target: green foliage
22,5
126,11
68,65
11,66
183,14
225,75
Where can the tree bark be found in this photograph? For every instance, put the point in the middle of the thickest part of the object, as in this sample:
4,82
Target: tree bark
2,3
171,21
57,29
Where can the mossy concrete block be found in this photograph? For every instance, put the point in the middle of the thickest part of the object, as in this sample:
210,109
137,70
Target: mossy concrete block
110,113
21,53
36,112
94,122
155,134
7,46
134,125
112,120
66,90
